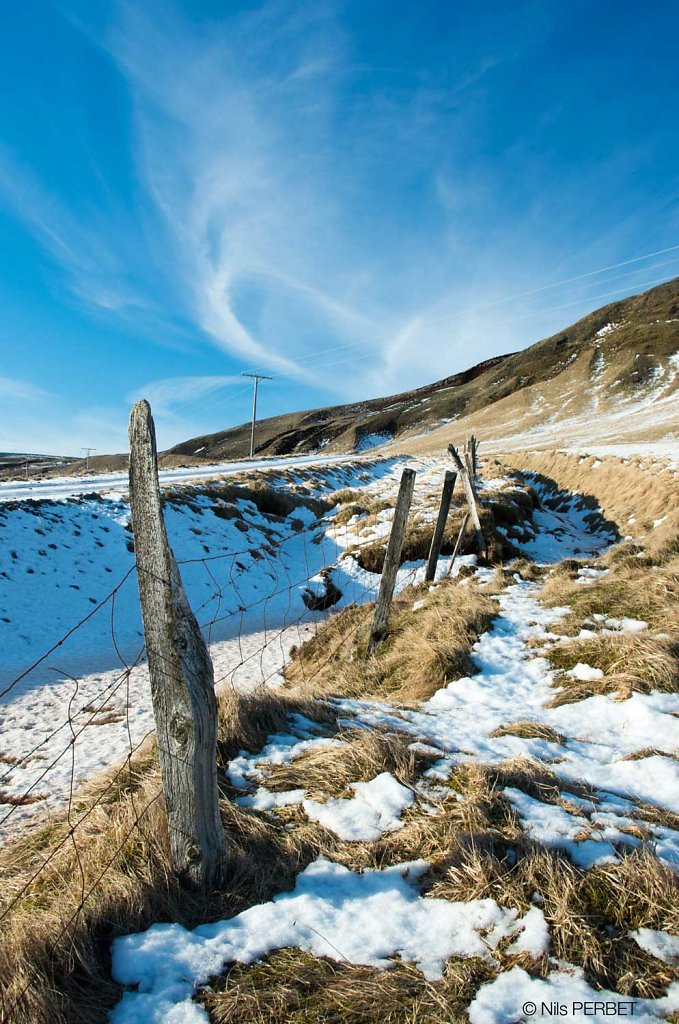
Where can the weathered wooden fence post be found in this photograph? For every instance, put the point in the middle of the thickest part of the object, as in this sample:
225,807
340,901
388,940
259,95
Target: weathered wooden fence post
392,560
437,540
182,679
471,498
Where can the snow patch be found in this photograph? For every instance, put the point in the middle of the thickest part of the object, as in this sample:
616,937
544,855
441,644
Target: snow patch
360,918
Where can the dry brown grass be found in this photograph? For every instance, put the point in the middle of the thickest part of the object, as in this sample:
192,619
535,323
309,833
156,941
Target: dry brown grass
328,771
362,505
296,988
477,850
19,799
424,649
474,840
119,858
530,731
632,589
631,663
493,511
622,488
475,846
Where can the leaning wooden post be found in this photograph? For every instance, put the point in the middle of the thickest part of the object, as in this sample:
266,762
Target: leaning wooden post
392,560
437,540
458,543
182,679
471,498
470,471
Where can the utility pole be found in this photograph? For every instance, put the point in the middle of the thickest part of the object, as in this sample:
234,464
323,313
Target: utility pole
88,452
256,378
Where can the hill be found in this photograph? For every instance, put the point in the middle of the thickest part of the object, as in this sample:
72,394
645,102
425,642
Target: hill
613,374
611,377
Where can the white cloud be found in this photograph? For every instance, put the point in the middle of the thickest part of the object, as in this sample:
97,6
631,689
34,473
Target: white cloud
21,390
166,395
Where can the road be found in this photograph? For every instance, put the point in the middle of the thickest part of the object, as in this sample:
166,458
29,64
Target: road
105,483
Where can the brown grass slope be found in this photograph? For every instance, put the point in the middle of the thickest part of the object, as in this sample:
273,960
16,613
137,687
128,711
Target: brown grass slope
625,361
495,399
54,947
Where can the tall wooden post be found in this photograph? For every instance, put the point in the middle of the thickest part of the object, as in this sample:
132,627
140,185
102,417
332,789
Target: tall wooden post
471,498
392,560
437,539
182,679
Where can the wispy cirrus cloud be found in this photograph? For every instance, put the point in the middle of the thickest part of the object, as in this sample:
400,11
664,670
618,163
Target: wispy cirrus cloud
21,390
316,197
173,393
228,126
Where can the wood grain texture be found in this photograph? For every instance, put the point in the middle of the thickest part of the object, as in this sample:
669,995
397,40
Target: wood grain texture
181,674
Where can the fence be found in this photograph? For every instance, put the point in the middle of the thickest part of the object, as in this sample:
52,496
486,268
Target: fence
182,688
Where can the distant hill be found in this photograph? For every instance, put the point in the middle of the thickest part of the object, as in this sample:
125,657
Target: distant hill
613,376
615,371
13,462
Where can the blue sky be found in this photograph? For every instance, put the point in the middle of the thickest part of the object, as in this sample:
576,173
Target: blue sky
356,197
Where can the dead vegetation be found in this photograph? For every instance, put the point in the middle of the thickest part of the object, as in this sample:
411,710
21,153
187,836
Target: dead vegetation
329,771
54,945
640,583
630,662
476,850
424,650
625,489
224,495
293,987
508,508
530,731
67,897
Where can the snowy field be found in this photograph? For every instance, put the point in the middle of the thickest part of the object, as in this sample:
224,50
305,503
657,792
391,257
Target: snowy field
247,576
246,579
372,916
116,483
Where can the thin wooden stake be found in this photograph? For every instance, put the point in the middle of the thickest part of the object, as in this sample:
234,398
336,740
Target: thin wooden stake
458,542
437,539
392,560
471,499
470,471
474,449
182,679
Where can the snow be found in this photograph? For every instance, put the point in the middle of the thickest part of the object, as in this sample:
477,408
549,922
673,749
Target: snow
360,918
552,826
515,996
374,810
585,672
248,595
563,532
373,916
115,484
368,441
661,945
534,936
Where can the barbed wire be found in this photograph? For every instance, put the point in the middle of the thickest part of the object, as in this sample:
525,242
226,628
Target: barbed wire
273,627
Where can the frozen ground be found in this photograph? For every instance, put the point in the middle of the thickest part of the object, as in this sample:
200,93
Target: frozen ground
374,916
246,578
116,483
